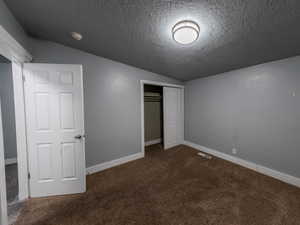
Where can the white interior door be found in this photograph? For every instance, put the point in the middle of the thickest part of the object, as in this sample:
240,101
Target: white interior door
55,129
173,117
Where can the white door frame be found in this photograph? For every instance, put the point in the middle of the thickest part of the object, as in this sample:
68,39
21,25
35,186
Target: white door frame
21,136
13,51
162,84
3,201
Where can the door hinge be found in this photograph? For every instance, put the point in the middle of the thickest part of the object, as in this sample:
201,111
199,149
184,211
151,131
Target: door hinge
29,176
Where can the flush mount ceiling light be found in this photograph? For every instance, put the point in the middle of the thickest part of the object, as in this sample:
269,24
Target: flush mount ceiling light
185,32
76,36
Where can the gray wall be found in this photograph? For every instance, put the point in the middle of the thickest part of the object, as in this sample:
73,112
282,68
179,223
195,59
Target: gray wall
11,25
112,100
8,110
256,110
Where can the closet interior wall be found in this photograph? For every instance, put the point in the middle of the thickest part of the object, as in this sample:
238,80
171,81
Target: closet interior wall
153,109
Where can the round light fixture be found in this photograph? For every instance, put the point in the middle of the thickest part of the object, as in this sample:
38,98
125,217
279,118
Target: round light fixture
185,32
76,36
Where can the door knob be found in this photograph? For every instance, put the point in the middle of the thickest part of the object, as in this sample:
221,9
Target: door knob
79,136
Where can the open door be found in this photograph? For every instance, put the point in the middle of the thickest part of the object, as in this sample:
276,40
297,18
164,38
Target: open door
55,129
173,117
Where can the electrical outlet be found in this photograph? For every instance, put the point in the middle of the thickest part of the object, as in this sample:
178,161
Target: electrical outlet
234,151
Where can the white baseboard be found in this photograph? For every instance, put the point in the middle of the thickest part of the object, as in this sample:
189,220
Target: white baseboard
250,165
10,161
153,142
113,163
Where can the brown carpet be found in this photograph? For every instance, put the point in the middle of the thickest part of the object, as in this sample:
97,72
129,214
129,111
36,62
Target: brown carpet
174,187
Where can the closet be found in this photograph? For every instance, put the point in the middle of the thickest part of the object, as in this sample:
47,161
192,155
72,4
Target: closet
153,114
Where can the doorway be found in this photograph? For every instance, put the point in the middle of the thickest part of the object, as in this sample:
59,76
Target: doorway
55,133
162,114
14,204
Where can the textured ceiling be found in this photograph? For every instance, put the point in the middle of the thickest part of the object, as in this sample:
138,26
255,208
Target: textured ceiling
234,33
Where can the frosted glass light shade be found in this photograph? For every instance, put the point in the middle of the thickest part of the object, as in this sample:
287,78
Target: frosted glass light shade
185,32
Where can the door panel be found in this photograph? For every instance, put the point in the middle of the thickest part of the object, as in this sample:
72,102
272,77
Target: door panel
45,162
69,166
66,111
54,111
172,117
42,105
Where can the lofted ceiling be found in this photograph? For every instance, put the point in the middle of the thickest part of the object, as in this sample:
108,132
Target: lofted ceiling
234,34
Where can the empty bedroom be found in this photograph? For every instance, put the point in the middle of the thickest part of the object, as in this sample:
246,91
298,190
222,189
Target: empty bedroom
150,112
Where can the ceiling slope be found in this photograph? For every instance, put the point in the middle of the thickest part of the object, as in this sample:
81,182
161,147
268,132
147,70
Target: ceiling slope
234,34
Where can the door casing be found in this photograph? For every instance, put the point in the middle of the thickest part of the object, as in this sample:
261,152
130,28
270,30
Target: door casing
3,201
17,54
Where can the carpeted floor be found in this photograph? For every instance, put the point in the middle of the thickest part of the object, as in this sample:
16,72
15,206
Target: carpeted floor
174,187
11,175
14,206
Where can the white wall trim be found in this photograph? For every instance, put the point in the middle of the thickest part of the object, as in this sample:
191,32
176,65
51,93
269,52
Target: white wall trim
163,84
21,135
142,118
153,142
250,165
10,161
11,49
113,163
3,200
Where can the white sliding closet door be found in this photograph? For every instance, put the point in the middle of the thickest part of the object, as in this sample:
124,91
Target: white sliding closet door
173,117
55,129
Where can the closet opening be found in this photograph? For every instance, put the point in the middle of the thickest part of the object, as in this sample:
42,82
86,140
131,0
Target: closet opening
153,118
162,113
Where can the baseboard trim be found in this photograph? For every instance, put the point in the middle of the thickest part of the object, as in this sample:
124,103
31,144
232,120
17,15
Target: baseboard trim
153,142
10,161
113,163
250,165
